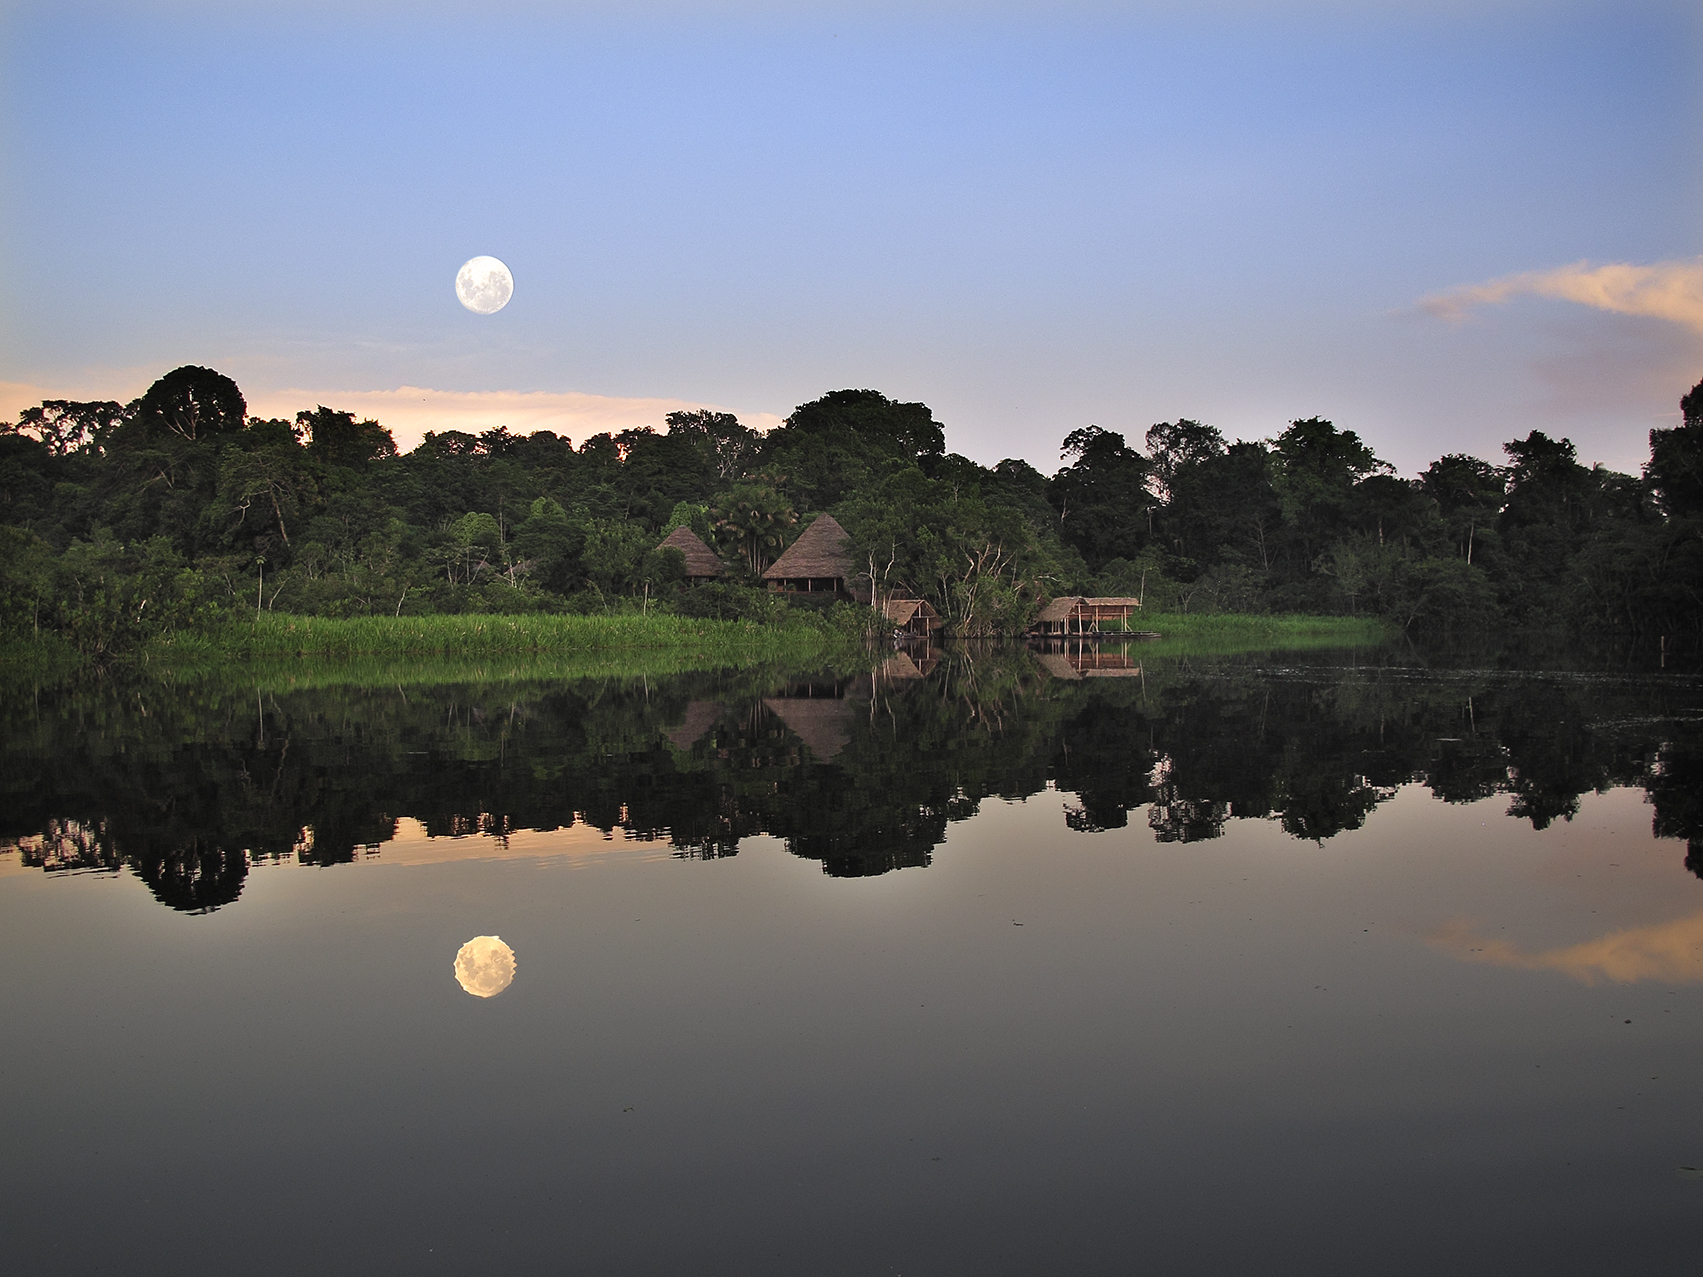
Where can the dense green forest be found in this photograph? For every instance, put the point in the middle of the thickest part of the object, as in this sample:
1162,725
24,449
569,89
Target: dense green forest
119,522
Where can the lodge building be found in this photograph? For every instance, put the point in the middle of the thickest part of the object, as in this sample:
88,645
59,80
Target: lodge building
702,563
819,562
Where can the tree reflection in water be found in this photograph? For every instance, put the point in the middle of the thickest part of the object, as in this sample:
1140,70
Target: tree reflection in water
862,772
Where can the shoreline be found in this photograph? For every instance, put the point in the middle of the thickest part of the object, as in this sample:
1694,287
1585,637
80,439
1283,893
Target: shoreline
288,650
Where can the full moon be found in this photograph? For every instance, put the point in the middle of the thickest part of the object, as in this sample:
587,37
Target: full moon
484,966
484,285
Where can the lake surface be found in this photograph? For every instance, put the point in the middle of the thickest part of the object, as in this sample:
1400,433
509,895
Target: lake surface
970,964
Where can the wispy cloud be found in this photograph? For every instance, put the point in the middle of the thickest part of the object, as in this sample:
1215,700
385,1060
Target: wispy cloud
1666,290
1670,951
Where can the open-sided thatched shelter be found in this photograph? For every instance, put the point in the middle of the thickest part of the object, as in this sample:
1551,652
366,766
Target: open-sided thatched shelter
1078,615
701,561
1109,613
819,562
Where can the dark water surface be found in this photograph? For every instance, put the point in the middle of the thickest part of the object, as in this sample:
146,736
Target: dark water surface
990,964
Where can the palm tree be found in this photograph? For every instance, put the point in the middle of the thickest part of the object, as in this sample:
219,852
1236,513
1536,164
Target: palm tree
753,519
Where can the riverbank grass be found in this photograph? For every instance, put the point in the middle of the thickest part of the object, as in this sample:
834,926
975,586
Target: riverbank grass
274,636
1212,629
410,649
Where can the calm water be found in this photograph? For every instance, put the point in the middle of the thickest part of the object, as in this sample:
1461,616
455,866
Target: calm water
990,965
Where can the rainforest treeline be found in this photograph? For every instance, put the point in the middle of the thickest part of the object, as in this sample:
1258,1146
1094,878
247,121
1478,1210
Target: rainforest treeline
122,521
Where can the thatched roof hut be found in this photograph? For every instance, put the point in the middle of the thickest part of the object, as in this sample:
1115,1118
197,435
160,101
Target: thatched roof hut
1057,612
819,561
701,561
914,616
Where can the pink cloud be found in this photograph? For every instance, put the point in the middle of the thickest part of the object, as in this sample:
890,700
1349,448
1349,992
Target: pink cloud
410,411
1666,290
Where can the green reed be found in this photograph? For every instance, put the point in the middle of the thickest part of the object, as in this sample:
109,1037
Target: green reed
274,636
1219,631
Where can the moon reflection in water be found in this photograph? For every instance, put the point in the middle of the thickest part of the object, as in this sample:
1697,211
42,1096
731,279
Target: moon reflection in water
484,966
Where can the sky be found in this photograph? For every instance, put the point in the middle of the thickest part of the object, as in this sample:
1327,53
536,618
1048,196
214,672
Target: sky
1440,225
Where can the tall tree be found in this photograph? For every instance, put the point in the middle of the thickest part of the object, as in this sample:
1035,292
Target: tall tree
1546,483
192,403
1174,447
830,446
1676,459
65,426
658,471
1102,498
1181,454
1541,525
1467,492
1315,468
337,439
1225,510
727,447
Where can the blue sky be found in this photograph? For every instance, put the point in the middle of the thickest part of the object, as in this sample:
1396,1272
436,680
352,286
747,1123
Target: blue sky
1030,218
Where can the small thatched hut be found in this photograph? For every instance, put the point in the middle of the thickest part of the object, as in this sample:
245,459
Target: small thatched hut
1053,618
701,561
819,562
913,616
